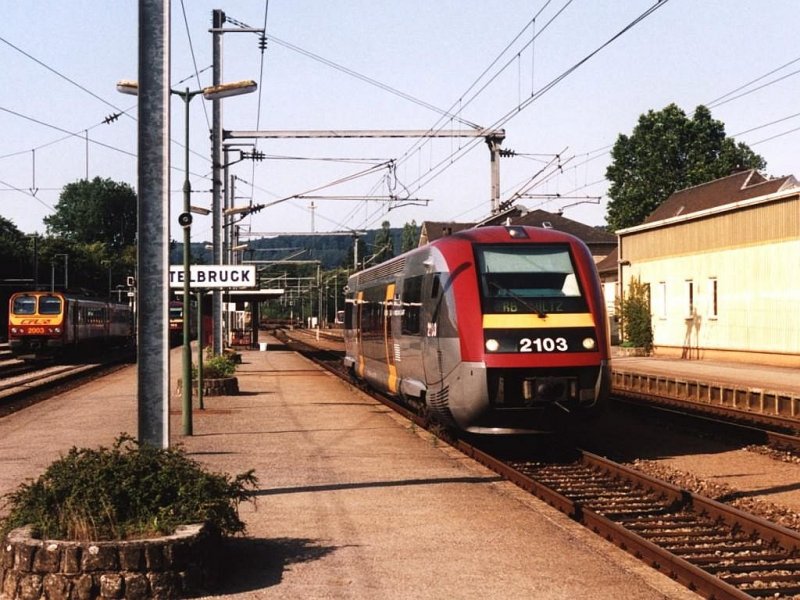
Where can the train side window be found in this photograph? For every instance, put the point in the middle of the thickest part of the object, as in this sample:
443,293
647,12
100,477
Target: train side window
412,302
24,305
435,287
348,314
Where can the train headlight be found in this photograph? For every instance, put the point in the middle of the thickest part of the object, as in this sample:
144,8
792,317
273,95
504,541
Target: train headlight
56,329
589,343
492,345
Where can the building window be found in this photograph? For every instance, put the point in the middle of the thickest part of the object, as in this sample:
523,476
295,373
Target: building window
713,306
661,300
690,299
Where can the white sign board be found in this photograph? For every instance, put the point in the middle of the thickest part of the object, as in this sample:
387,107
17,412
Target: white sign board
214,276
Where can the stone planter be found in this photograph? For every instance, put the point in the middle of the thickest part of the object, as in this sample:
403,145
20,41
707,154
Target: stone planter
175,566
636,351
225,386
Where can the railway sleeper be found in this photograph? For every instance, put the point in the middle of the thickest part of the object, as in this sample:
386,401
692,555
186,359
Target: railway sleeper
702,547
780,564
675,534
771,592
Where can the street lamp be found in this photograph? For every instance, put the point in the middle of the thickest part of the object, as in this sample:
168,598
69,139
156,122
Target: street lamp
214,92
53,271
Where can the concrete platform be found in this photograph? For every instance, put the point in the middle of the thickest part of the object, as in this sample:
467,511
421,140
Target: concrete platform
354,502
779,379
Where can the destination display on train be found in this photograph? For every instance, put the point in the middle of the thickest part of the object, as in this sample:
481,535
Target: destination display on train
214,276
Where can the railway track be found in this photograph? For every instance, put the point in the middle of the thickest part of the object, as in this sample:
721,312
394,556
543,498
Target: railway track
24,385
713,549
770,416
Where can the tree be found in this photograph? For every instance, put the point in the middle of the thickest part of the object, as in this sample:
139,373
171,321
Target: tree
15,251
100,210
410,237
668,152
383,249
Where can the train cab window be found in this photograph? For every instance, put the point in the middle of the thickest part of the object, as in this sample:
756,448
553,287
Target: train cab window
24,305
49,305
176,312
535,278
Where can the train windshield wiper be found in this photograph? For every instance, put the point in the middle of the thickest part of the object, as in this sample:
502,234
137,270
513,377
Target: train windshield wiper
534,309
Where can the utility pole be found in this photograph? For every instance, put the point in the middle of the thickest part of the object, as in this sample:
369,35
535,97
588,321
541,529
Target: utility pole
153,228
494,140
217,29
218,19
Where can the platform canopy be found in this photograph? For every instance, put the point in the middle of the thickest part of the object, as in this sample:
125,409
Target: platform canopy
247,295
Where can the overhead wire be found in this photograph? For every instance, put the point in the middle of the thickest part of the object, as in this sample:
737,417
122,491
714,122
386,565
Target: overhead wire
194,59
371,81
437,169
722,99
260,88
27,193
440,123
62,76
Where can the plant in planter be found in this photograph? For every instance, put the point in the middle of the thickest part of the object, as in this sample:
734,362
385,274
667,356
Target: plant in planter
218,375
216,366
119,522
131,490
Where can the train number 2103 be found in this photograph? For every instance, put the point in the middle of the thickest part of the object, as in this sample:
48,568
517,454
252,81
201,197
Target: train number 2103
547,344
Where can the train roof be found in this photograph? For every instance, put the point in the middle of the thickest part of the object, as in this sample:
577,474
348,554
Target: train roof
509,233
494,234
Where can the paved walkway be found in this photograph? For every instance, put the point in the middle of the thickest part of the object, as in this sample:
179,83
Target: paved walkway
353,501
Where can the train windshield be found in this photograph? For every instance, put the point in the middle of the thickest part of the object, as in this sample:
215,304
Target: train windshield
176,312
24,305
529,279
49,305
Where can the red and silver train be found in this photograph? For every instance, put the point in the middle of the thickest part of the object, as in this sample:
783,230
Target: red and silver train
489,330
49,324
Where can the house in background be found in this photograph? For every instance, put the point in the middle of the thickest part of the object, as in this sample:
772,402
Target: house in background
722,263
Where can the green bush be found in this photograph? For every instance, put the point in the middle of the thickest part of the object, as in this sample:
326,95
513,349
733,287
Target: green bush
129,491
216,366
637,327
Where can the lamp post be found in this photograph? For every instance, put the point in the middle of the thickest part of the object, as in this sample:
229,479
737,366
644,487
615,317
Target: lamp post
53,271
185,220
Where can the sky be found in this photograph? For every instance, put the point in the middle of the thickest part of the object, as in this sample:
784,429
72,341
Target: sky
554,75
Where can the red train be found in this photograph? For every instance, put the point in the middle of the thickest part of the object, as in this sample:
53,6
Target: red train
176,321
490,330
49,324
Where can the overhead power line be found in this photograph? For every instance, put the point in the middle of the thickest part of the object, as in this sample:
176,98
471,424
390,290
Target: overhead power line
372,81
62,76
722,99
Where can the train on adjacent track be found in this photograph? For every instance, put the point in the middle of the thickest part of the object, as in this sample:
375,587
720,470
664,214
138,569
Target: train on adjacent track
43,325
176,321
492,330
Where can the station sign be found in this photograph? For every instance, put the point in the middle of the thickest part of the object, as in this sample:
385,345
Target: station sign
214,276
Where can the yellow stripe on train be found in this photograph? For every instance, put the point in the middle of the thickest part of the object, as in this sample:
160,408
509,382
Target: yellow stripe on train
391,382
533,321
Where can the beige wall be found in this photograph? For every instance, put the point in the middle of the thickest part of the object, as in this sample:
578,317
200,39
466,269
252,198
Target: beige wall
754,257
